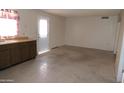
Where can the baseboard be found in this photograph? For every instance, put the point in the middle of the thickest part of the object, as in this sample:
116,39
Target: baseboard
111,52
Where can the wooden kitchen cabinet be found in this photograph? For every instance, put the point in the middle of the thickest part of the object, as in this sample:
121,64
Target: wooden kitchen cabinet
28,50
18,52
24,51
32,49
4,58
15,54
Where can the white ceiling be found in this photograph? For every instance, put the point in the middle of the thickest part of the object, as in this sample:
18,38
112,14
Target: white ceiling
82,12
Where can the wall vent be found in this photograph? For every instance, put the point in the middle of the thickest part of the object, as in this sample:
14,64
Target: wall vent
105,17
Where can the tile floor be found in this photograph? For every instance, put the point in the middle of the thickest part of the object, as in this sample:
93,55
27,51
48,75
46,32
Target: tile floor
66,64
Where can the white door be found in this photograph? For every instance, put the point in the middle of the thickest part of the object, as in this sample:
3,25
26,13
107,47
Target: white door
43,39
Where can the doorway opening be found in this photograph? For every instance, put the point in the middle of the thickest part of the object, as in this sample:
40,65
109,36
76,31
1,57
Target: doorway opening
43,36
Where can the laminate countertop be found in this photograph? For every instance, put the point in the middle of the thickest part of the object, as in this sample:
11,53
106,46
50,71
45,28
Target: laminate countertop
14,41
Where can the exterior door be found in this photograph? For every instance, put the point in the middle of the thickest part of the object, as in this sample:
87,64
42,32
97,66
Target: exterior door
43,39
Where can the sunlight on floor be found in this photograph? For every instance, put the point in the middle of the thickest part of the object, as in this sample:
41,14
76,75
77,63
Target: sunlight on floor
41,52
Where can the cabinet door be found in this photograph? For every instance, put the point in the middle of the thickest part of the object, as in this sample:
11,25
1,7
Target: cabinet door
4,58
32,49
15,54
24,51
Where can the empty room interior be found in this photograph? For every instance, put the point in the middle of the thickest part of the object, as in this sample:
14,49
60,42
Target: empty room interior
62,45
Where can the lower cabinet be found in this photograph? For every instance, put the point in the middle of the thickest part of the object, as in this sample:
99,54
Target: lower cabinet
24,51
4,58
32,50
28,50
17,53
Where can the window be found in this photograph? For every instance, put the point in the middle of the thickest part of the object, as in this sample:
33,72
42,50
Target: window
43,28
8,22
8,27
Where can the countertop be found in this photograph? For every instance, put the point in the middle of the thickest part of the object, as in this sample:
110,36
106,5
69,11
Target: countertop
15,41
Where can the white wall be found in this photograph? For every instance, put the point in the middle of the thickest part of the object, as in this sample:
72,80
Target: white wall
28,23
119,65
91,32
29,26
57,28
